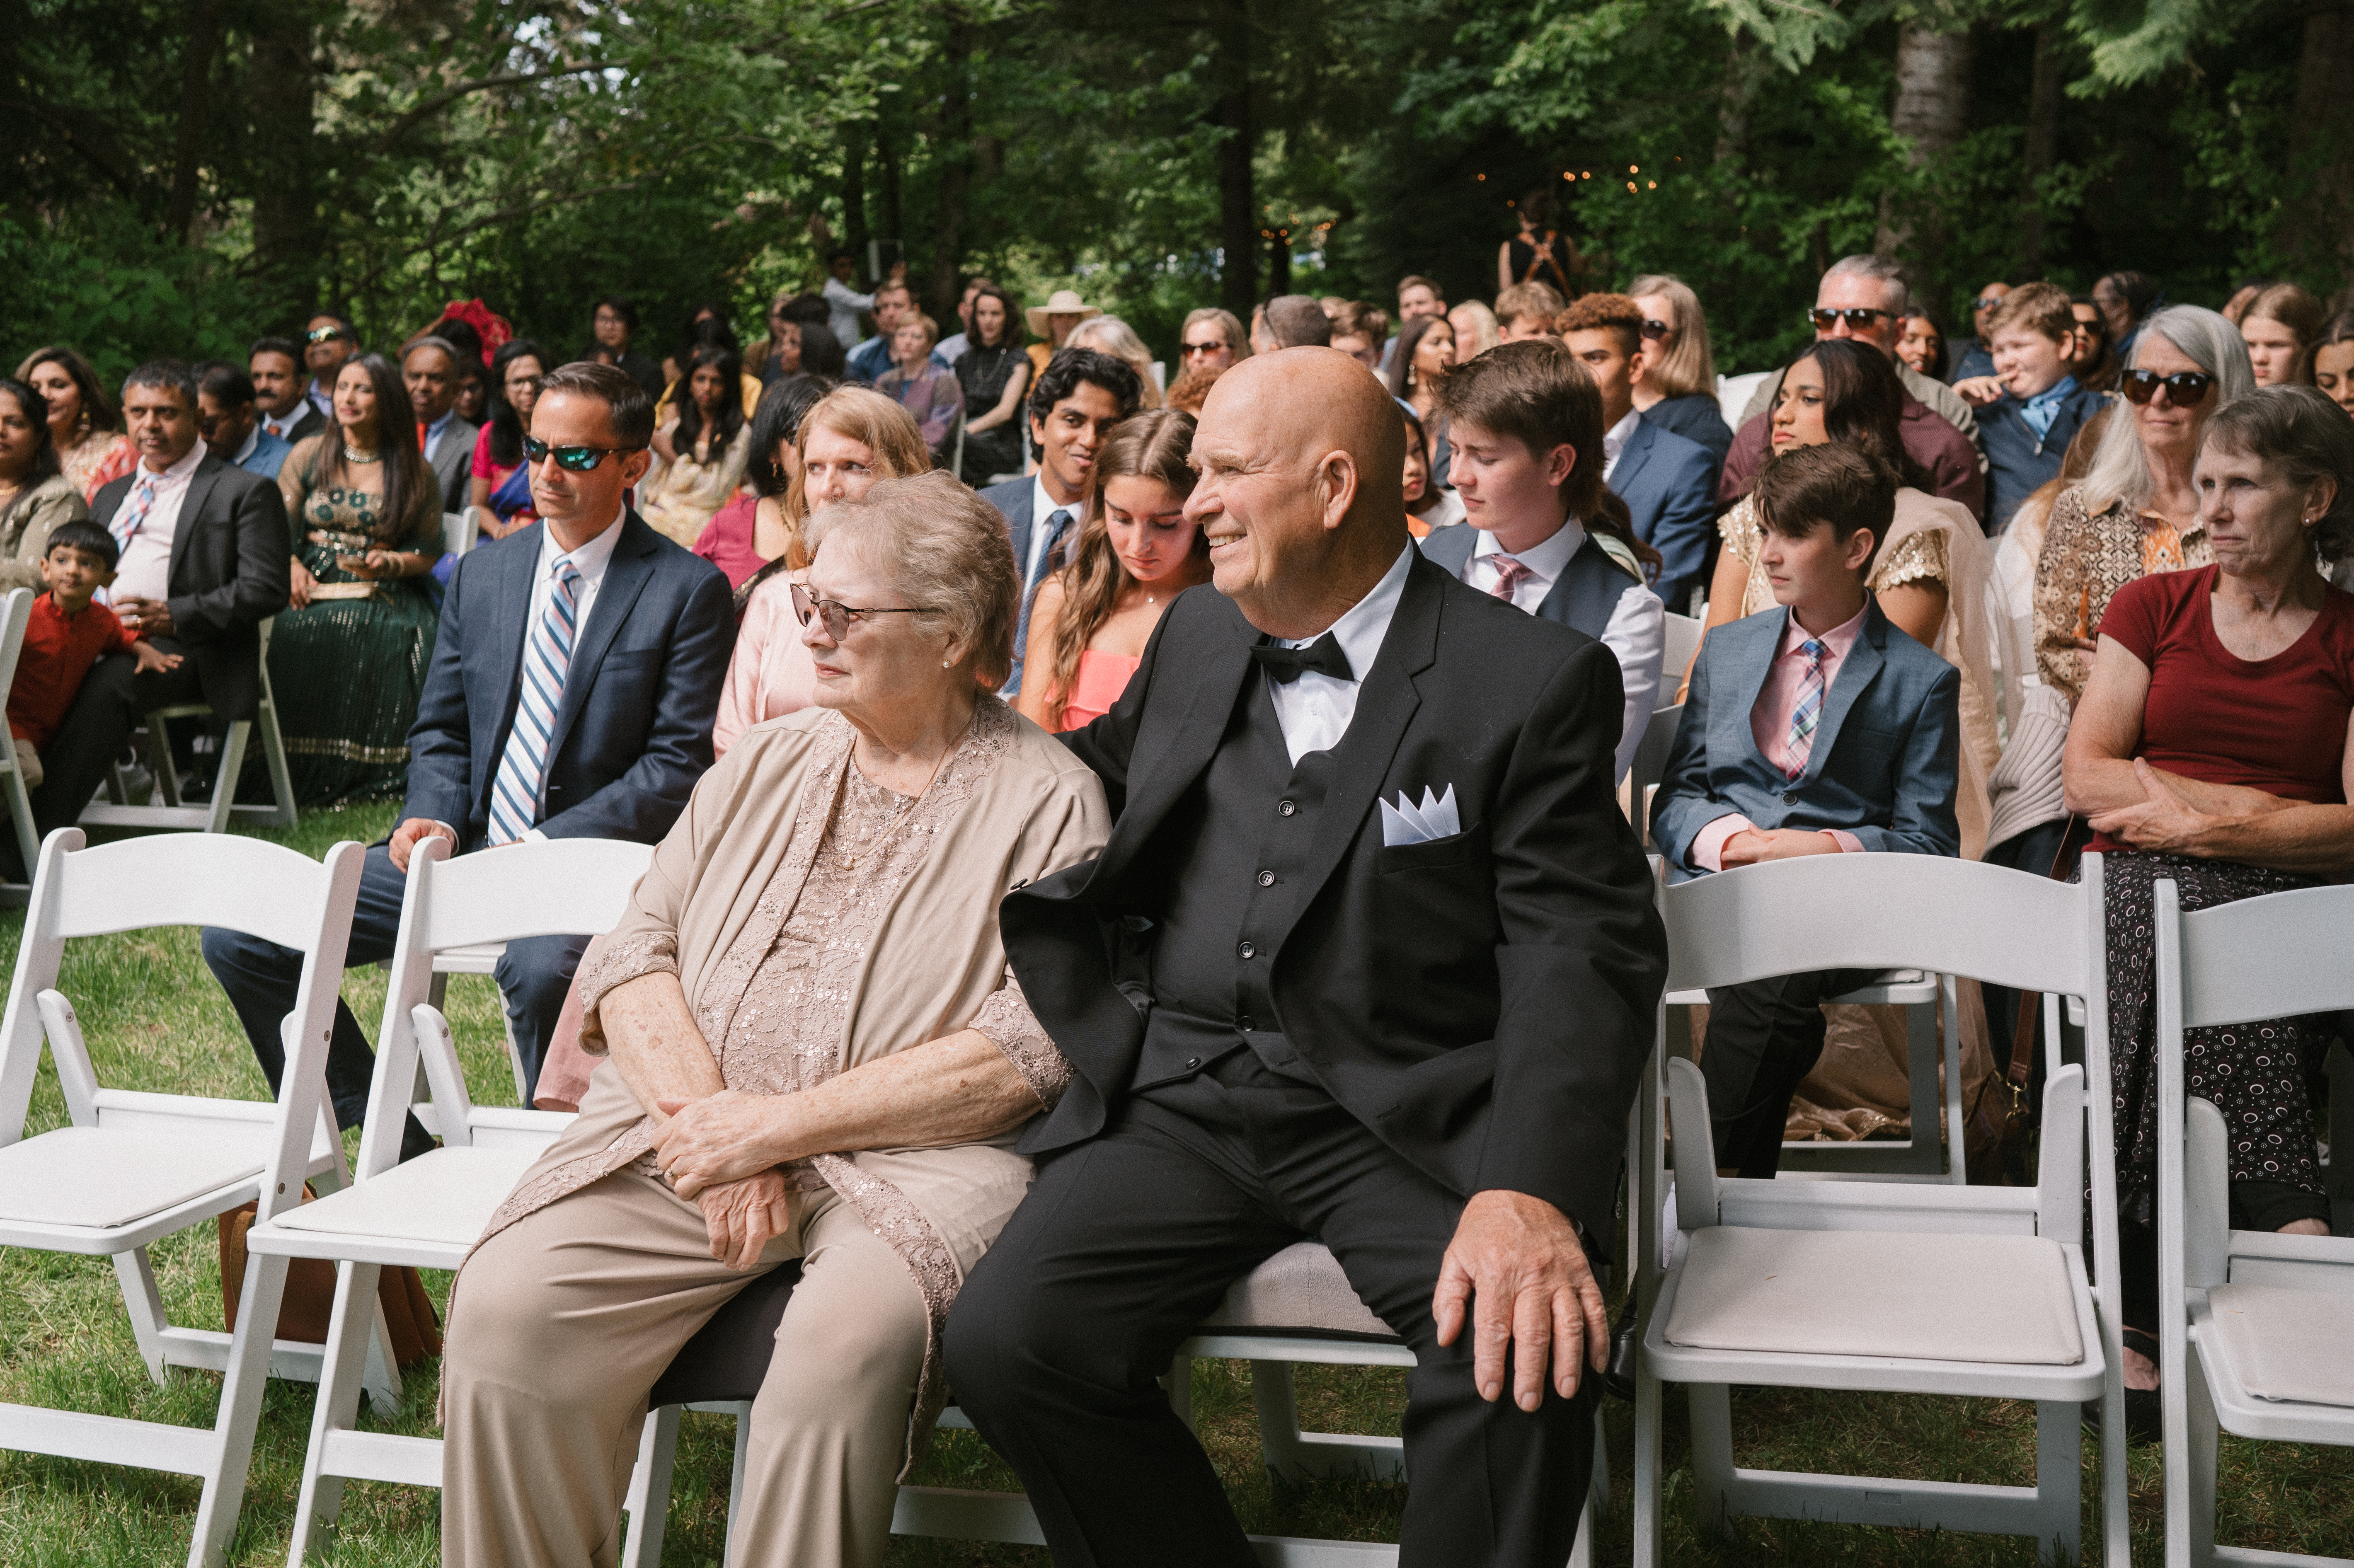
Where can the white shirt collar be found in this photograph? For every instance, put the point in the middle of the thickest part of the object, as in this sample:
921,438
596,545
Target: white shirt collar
1361,627
1546,561
1042,506
180,473
1614,438
589,560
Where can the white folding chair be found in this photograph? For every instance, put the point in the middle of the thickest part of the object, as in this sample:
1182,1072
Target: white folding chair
457,531
1879,1285
2256,1325
1683,635
134,1167
165,809
428,1211
16,613
1650,764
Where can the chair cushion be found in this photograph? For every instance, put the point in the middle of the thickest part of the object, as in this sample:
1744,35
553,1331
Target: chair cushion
2287,1344
105,1177
1994,1299
1300,1289
446,1196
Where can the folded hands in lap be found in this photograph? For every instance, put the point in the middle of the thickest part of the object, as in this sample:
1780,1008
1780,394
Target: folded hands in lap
2165,819
1517,1270
1751,845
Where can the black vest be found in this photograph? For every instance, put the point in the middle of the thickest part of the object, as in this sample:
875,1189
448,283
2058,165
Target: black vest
1232,852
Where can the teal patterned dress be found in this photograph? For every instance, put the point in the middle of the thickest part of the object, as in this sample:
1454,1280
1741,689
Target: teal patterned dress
347,672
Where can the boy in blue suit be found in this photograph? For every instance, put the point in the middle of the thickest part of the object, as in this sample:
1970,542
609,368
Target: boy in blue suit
1816,727
2031,407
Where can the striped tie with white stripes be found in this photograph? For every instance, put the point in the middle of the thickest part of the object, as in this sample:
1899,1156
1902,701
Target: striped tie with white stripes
514,794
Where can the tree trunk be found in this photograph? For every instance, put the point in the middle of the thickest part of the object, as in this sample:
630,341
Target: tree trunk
1237,212
888,156
2316,222
954,146
1933,111
2043,144
855,232
1279,266
280,94
188,145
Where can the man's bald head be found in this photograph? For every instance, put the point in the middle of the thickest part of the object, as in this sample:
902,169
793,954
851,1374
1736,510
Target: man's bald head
1301,456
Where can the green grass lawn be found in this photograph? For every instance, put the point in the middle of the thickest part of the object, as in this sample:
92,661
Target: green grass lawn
156,1020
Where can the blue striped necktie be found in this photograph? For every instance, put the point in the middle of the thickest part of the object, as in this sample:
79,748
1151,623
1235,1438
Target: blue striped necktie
1807,713
522,769
1055,525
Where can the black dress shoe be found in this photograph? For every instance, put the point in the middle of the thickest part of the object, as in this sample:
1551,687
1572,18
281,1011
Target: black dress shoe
1619,1376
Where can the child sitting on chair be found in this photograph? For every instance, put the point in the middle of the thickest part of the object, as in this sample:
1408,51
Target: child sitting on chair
66,636
1815,727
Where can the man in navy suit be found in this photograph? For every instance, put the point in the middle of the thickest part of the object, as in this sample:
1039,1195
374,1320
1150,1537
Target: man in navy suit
1668,480
1815,727
1078,399
574,682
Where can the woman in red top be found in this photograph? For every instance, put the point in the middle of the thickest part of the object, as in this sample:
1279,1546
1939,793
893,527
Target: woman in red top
2212,749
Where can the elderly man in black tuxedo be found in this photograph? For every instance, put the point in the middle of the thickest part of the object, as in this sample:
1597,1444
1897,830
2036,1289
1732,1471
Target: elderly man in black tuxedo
1371,956
204,562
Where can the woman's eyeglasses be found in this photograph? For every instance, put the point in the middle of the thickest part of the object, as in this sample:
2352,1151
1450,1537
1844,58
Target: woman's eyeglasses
572,459
1216,345
2184,389
1656,330
1859,318
837,615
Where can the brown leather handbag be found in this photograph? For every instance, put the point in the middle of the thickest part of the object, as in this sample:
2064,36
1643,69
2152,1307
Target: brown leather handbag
309,1301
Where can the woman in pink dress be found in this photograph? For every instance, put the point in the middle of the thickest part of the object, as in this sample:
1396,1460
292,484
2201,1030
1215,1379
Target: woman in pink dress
1135,552
853,437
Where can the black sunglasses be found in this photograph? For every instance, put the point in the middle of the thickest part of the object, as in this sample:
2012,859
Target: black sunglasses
838,616
1655,331
323,334
1987,303
2184,389
1213,347
1858,317
573,460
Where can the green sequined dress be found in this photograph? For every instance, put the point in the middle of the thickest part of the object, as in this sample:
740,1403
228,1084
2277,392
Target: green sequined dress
348,673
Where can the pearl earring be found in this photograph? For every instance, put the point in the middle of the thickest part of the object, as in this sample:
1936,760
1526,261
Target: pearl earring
948,663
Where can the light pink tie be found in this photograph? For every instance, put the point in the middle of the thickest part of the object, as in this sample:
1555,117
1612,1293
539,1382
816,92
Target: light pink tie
1510,574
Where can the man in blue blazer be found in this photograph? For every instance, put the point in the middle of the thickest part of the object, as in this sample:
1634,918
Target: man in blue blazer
1816,727
574,682
1668,480
1078,398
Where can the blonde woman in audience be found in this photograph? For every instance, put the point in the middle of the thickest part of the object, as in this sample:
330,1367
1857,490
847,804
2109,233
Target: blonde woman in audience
1476,331
1136,551
1110,334
854,437
2279,326
1678,392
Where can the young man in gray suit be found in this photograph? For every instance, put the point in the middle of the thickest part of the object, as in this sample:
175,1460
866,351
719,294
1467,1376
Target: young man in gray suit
1815,727
430,366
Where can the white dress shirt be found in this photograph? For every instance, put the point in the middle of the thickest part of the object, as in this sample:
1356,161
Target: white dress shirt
1315,708
1637,632
1614,441
145,569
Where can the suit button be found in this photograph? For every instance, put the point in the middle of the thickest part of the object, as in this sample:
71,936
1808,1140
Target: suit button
1245,1023
1285,808
1789,800
1248,950
1191,1063
1267,879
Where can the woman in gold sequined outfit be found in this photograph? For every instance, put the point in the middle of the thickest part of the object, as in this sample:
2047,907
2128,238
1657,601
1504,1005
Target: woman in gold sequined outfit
2137,512
815,1056
347,657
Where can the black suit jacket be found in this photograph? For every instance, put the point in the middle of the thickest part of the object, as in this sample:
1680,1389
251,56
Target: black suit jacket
1484,1003
227,575
633,731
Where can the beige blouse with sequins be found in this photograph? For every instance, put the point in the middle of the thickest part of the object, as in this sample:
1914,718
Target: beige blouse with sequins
817,922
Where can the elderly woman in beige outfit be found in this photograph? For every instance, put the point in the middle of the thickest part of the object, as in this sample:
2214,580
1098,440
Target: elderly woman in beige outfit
815,1052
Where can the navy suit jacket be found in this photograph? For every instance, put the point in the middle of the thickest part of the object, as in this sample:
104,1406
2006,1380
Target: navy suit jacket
1012,501
633,731
2020,461
1669,484
1887,753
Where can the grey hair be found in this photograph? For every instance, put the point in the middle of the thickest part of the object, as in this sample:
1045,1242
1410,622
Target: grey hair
2120,469
1880,270
430,341
2299,431
944,547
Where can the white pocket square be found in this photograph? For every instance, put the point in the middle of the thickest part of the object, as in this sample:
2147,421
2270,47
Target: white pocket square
1407,823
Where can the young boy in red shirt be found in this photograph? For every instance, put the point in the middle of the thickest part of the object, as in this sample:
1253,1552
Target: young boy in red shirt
67,635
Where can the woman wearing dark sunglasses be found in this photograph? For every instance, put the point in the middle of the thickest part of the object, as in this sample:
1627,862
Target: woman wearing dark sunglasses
2137,512
1678,392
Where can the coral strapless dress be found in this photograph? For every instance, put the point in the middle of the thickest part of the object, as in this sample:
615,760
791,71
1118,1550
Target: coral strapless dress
1102,677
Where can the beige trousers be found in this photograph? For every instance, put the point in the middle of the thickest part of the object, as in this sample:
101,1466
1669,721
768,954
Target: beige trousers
563,1321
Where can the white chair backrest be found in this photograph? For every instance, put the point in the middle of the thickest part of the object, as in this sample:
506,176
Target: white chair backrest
457,531
191,879
2277,957
1886,911
1682,643
16,613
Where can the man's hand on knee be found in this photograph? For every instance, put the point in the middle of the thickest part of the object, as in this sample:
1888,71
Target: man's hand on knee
745,1217
1516,1270
406,836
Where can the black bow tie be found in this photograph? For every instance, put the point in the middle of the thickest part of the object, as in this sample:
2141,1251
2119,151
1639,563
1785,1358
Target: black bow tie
1323,656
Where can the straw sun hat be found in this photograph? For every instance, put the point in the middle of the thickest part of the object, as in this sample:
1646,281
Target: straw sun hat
1061,303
